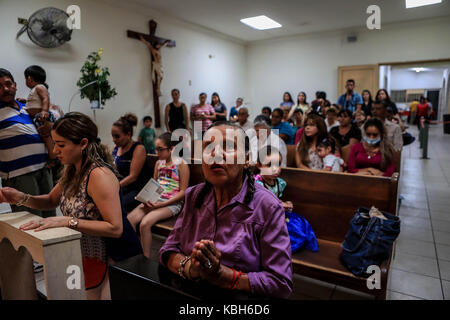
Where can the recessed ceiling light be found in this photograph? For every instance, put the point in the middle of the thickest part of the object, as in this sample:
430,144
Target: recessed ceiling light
261,23
420,3
419,69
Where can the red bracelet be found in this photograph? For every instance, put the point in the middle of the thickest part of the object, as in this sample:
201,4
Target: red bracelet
234,277
235,285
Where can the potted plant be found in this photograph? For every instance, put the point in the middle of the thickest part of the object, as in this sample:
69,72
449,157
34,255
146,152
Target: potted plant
94,84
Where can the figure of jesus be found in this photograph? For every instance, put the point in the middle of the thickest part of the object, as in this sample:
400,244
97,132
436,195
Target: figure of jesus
157,69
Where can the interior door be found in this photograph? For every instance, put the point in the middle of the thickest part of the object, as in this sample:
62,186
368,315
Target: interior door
433,97
365,76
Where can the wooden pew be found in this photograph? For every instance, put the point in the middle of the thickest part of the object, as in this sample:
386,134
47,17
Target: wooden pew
290,158
328,201
56,249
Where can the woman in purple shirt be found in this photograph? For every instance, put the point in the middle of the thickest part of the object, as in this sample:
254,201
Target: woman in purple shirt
231,232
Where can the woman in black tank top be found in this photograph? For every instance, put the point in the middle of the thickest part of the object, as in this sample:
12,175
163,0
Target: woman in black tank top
176,116
129,158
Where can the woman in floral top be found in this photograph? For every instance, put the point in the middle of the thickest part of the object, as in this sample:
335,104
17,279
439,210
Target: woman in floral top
315,131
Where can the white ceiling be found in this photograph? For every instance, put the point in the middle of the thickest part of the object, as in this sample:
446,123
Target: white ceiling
296,16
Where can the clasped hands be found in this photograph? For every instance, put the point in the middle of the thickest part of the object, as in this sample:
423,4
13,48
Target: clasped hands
205,262
370,172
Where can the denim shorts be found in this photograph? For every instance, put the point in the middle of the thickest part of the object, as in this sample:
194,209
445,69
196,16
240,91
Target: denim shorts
174,208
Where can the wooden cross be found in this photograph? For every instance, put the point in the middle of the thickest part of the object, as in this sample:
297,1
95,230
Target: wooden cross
153,40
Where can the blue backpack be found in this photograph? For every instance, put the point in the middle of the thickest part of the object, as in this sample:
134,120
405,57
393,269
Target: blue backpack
300,233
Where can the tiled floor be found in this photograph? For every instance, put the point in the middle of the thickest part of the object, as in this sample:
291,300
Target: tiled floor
421,265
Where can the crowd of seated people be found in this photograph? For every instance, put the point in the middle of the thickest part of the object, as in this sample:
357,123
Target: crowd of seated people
108,182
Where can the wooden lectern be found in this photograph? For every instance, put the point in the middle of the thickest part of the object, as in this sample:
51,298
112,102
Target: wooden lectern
57,249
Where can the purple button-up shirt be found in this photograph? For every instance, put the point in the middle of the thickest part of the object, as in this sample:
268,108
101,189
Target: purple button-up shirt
252,238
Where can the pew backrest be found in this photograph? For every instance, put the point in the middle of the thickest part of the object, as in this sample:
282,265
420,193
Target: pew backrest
290,158
328,200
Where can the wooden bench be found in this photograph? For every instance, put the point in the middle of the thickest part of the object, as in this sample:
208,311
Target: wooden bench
328,201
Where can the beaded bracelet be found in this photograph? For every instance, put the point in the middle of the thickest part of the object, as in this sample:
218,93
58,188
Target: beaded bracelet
182,264
189,274
24,200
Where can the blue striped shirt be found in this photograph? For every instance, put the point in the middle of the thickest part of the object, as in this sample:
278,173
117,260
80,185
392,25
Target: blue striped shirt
21,148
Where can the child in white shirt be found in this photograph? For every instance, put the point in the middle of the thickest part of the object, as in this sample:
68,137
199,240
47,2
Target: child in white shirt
38,101
326,150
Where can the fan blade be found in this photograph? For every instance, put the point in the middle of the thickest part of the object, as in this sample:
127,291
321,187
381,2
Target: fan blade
48,27
24,28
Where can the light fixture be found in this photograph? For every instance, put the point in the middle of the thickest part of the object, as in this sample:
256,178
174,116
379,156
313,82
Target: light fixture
418,69
261,23
420,3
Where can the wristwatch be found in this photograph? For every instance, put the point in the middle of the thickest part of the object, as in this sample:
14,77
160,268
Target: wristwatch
73,223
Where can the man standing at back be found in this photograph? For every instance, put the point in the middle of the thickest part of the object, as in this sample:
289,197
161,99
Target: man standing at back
350,100
23,154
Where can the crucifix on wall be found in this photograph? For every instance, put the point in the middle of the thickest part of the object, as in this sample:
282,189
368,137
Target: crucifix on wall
155,44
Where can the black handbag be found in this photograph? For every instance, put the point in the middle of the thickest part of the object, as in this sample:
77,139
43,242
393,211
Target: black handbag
369,241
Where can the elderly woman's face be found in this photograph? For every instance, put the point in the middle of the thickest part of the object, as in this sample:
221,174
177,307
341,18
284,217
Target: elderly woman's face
224,156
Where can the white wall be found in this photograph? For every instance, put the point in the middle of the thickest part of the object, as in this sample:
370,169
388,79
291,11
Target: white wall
104,26
310,62
403,79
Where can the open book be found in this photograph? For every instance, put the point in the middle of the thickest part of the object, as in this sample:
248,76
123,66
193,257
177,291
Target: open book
152,191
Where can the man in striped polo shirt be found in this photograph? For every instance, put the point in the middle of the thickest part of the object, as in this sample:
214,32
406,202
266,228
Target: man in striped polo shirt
23,154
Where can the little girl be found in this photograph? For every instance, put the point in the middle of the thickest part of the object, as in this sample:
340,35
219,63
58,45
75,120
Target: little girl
270,169
38,101
326,150
173,175
300,231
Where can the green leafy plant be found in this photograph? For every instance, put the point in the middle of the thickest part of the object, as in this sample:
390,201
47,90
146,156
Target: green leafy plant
90,72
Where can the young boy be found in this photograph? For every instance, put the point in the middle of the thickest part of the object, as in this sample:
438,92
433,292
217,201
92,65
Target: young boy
147,135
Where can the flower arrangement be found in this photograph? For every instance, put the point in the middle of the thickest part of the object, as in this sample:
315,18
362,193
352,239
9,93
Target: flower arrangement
94,80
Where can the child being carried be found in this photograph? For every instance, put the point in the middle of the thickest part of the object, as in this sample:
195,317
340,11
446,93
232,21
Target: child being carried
38,101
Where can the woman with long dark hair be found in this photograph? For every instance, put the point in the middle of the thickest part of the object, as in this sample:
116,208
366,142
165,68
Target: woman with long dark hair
219,107
315,131
367,103
287,101
383,95
302,104
375,154
88,194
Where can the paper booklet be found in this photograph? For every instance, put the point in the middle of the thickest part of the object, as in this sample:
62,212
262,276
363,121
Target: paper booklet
152,191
